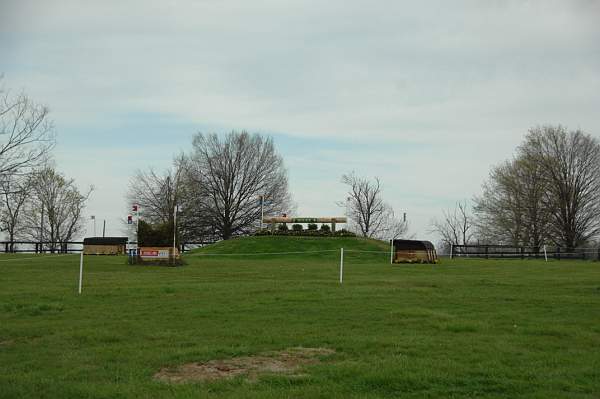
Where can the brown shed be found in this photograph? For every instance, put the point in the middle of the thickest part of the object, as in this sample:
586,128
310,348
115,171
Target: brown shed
105,245
412,251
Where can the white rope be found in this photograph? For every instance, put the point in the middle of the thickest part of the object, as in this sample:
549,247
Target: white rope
269,253
34,257
367,252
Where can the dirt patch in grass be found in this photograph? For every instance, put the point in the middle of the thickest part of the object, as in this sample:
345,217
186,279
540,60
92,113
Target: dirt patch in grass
287,362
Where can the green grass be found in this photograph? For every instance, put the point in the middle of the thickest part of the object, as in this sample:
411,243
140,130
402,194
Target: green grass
463,329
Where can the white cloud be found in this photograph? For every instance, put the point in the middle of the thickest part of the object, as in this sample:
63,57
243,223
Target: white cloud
462,79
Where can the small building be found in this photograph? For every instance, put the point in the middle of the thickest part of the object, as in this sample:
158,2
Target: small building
105,245
412,251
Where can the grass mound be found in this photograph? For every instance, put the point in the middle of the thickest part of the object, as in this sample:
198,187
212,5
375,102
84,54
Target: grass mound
275,244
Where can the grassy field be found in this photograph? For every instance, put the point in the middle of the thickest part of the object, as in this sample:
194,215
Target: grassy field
461,329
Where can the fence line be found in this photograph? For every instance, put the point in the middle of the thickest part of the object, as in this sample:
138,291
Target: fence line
511,251
269,253
34,257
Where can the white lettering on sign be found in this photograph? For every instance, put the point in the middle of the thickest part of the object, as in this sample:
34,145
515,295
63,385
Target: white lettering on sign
155,254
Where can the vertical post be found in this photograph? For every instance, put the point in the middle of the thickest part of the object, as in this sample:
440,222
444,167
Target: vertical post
262,211
174,229
391,252
522,252
487,250
341,265
557,255
451,250
80,271
545,254
104,228
599,253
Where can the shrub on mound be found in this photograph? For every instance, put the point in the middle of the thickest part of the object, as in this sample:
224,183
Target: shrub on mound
305,233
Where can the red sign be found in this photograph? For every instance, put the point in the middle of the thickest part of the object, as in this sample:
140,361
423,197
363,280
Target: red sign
149,253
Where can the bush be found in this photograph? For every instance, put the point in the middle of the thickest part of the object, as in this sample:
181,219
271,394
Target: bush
155,235
297,227
325,227
312,226
282,227
305,233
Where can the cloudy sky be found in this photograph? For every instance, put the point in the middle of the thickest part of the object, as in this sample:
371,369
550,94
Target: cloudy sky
426,95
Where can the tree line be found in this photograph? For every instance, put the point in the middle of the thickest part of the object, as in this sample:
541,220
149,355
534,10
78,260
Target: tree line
222,186
548,193
37,202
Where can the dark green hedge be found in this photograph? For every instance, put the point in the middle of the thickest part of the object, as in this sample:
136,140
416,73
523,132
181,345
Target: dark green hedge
155,235
305,233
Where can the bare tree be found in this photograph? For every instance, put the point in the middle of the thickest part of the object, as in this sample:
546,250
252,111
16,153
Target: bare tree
511,208
226,176
26,134
364,205
394,227
571,164
16,191
54,213
155,193
456,226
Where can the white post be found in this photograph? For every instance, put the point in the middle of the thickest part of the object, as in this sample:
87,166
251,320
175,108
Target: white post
392,251
174,229
80,271
262,214
451,250
545,254
341,265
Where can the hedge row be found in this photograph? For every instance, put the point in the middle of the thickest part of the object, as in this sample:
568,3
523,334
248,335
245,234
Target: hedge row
305,233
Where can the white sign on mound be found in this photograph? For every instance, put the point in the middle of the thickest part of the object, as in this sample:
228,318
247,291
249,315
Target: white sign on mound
154,253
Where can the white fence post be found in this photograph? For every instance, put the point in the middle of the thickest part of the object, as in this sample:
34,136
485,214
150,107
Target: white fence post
545,254
341,265
391,251
451,250
80,271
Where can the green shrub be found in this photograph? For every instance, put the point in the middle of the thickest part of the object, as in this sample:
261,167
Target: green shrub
325,227
305,233
282,227
155,235
312,226
297,227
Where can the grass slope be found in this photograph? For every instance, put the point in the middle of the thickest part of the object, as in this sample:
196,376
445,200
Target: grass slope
462,329
276,244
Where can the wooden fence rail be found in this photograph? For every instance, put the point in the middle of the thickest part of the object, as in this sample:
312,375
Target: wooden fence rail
508,251
68,247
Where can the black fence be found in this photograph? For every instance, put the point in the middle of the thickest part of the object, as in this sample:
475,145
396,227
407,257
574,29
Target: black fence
41,247
69,247
515,252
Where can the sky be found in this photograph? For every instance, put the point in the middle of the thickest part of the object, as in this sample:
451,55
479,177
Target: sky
427,96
